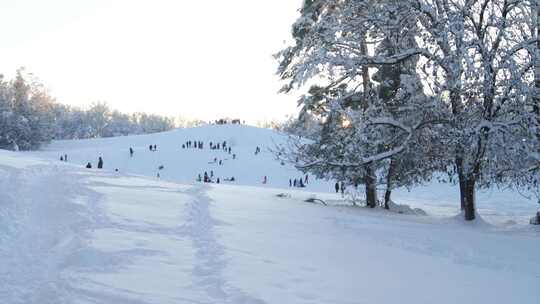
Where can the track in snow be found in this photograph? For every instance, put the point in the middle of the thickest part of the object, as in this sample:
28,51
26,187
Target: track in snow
210,256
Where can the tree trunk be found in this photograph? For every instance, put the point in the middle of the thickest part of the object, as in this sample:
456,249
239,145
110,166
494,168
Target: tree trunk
468,198
371,187
461,179
462,190
466,191
389,183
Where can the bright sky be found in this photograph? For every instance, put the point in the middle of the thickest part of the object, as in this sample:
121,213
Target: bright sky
200,59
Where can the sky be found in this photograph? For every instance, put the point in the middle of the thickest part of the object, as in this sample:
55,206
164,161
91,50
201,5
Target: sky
198,59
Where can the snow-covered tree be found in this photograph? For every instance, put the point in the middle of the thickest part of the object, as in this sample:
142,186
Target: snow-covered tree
476,65
26,121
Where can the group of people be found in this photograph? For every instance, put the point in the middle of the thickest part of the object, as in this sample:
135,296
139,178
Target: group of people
224,121
99,165
63,158
152,148
340,186
208,178
193,144
218,146
299,182
257,150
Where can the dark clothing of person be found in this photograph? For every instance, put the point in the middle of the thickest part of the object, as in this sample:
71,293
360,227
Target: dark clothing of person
337,187
89,166
100,163
290,182
130,151
61,158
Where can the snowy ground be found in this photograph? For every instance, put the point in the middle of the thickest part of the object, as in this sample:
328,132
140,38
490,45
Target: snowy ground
72,235
183,165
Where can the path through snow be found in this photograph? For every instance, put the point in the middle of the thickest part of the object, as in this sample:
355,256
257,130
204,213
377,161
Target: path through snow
210,259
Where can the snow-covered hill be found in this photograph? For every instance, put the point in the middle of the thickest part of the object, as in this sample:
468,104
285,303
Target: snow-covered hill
184,165
72,235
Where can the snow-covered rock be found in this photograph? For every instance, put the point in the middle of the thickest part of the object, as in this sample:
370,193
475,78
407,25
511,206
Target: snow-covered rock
405,209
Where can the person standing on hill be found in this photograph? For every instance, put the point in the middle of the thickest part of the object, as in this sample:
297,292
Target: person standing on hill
130,151
337,187
100,163
150,147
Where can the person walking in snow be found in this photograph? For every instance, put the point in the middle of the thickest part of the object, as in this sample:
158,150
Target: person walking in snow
265,179
100,163
220,162
290,182
217,180
342,188
65,157
337,187
306,179
234,156
61,158
88,165
150,147
130,152
155,147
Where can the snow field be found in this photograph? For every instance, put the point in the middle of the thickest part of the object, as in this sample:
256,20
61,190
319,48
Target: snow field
73,235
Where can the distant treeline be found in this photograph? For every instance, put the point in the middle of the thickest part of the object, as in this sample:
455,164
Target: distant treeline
29,117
